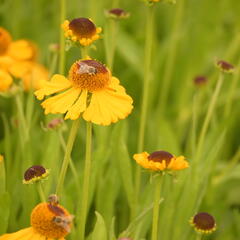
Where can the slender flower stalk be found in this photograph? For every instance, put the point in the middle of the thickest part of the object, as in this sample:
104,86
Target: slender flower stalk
86,181
110,42
147,74
21,116
67,156
157,193
62,39
71,164
41,191
208,116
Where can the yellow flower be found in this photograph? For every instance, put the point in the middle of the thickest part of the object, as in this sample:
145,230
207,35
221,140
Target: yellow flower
32,74
90,90
5,40
22,50
203,223
81,30
5,81
160,160
48,221
1,158
34,174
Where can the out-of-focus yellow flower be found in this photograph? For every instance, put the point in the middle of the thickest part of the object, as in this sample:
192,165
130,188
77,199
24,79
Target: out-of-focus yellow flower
81,30
48,221
19,60
5,81
5,40
203,223
22,50
90,90
1,158
34,174
160,161
35,77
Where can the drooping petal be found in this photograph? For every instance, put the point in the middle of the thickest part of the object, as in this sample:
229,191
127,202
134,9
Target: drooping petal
78,107
22,234
61,102
109,105
56,84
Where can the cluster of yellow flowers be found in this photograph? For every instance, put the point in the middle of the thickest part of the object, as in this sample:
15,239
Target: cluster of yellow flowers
89,91
18,60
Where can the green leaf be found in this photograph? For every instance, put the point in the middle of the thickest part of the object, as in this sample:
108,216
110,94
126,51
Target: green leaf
100,231
5,211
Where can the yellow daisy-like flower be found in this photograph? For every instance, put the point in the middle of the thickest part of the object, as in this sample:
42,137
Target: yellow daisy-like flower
32,74
5,81
81,30
203,223
5,40
90,90
48,222
160,161
34,174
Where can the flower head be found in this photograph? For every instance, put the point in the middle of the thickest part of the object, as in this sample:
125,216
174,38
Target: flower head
34,174
117,13
225,67
160,161
200,80
90,90
48,221
203,223
5,40
1,158
81,30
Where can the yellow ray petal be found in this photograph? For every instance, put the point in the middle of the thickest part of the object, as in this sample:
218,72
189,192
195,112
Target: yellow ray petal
61,102
79,106
22,234
22,50
108,106
56,84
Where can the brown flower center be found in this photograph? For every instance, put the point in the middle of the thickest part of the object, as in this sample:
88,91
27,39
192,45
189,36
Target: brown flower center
159,156
51,221
34,171
117,11
82,27
89,74
225,66
204,221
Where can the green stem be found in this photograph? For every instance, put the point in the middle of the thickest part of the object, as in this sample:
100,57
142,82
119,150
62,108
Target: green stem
62,39
208,116
146,81
86,181
84,52
40,191
67,156
171,57
23,124
71,164
110,43
156,207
